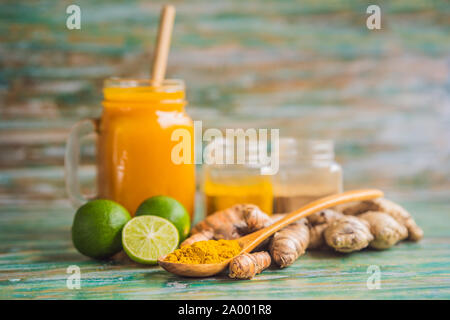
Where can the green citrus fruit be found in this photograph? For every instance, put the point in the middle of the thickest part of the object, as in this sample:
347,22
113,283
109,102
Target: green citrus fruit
97,228
146,238
170,209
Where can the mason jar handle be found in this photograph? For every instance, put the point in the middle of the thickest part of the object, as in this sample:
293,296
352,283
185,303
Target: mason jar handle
72,159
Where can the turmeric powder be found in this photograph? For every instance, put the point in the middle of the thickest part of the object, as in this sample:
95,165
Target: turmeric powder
209,251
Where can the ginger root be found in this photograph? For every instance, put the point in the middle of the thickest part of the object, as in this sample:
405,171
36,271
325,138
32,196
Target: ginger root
289,243
247,265
385,229
232,223
318,223
397,212
378,223
348,234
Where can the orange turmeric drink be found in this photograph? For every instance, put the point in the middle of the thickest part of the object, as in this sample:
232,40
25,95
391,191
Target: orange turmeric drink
136,142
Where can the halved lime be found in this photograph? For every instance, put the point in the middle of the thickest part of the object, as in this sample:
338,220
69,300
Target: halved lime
146,238
170,209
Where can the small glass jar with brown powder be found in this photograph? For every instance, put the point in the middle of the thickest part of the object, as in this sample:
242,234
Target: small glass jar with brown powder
308,171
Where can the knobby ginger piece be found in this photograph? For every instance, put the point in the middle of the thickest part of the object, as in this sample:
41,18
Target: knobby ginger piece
247,265
255,219
318,222
397,212
348,234
316,238
354,208
289,243
385,229
233,222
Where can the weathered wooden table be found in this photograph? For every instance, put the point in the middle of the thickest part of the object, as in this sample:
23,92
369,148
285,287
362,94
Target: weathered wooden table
310,68
37,250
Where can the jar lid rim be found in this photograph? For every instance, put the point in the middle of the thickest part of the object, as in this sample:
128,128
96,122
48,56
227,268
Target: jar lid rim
127,83
306,148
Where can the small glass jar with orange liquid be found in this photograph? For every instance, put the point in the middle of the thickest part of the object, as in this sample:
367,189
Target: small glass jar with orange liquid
228,183
135,144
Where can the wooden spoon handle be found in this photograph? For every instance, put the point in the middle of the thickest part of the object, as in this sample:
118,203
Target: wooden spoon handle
250,241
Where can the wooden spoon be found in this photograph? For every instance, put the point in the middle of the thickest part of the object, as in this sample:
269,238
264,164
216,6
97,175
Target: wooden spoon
252,240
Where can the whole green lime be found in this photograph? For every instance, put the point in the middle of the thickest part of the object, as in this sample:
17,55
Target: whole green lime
170,209
97,228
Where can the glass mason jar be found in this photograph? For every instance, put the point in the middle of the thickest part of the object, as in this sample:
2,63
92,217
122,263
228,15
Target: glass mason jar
231,181
135,144
307,172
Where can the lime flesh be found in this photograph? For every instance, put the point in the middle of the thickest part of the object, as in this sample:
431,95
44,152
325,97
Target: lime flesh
146,238
170,209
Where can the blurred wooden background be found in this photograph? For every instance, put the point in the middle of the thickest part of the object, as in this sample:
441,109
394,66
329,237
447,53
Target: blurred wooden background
311,68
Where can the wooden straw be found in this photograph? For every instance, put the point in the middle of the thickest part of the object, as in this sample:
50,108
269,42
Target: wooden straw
163,43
